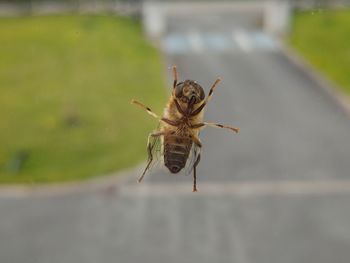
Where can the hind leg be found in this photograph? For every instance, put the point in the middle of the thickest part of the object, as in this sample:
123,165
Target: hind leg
195,173
198,143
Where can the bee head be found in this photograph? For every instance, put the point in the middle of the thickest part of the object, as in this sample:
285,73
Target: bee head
189,91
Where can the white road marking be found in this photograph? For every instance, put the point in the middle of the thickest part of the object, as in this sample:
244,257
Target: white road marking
196,42
264,42
243,40
240,189
175,44
218,42
237,41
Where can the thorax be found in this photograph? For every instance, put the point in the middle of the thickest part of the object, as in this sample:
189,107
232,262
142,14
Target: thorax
172,113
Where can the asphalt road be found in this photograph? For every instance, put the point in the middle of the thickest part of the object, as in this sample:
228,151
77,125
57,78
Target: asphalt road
279,191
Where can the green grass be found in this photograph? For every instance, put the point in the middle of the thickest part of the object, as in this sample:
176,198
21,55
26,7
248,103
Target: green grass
323,37
65,87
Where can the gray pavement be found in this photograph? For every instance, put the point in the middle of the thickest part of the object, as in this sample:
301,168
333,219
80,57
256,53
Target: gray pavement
279,191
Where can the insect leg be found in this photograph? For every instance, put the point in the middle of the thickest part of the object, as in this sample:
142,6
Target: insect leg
200,108
212,89
149,111
175,76
215,125
196,140
149,152
179,107
198,143
195,173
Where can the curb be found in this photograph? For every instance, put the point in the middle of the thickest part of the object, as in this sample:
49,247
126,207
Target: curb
108,183
328,86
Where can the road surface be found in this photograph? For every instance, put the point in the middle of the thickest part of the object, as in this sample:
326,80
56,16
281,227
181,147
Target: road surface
279,191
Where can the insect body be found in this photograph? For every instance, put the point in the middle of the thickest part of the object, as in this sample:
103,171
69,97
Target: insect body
177,139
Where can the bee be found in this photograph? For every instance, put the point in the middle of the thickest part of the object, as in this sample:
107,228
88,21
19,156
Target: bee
177,138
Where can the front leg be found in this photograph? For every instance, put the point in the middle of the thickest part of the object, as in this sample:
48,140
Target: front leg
207,99
175,77
178,107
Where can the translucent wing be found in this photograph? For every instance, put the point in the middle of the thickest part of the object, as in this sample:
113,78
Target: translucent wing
154,151
192,158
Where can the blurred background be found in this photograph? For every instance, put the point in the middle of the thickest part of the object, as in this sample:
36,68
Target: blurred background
72,146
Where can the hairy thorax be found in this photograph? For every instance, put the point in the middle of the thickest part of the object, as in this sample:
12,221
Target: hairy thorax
184,123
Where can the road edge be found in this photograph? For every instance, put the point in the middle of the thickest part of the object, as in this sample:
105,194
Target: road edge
327,85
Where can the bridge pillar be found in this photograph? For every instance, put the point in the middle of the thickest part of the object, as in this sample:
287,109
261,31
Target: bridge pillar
277,17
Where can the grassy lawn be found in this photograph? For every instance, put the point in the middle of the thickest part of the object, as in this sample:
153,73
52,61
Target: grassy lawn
65,87
323,37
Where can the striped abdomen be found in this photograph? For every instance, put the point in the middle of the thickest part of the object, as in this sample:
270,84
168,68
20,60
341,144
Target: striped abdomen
176,152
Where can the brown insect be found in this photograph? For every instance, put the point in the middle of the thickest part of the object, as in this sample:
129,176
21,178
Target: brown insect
176,140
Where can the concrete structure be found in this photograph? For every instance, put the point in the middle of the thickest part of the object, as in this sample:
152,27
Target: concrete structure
272,16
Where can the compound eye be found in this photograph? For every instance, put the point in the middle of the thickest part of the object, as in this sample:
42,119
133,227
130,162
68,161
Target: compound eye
178,90
202,94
